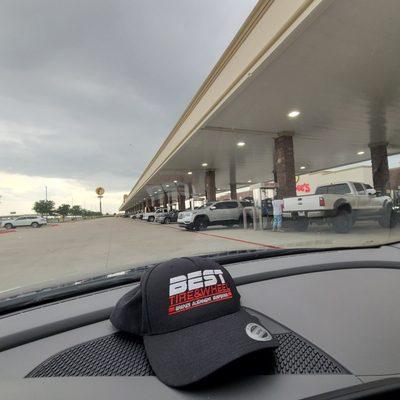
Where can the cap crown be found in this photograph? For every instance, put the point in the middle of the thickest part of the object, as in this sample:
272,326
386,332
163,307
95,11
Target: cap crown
184,292
177,294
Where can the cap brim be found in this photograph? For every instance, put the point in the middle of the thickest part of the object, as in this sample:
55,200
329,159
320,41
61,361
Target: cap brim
188,355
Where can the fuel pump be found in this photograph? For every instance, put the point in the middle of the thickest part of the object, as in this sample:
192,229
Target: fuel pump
263,194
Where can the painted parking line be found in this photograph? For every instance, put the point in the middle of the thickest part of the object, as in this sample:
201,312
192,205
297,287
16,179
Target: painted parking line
268,246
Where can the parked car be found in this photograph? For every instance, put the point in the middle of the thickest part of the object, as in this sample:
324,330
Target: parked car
151,216
227,213
137,215
340,205
168,217
33,221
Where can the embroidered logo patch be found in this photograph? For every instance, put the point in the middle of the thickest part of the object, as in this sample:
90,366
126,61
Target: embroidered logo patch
197,289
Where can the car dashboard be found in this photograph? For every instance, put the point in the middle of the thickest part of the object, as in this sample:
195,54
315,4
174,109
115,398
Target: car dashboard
335,314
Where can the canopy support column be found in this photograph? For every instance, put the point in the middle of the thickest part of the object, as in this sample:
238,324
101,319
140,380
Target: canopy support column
284,165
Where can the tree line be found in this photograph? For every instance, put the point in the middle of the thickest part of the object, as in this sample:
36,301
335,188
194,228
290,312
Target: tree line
48,207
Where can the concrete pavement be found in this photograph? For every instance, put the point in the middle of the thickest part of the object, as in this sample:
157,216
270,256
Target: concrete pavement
70,251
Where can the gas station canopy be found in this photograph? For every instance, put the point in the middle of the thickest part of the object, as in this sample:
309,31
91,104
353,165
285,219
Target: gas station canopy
335,62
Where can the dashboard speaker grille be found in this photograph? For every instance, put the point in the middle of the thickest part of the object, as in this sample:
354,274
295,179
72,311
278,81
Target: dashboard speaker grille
123,355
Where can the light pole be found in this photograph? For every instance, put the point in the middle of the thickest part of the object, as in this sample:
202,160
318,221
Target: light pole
46,193
101,210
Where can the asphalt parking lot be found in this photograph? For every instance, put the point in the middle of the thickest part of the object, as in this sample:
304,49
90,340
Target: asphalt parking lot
85,248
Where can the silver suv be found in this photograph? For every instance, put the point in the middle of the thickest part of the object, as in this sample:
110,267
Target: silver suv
227,213
33,221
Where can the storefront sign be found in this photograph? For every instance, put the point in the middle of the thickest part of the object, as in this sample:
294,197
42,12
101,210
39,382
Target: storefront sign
304,187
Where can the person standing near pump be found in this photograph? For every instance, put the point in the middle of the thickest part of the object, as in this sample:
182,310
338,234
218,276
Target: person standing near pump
277,205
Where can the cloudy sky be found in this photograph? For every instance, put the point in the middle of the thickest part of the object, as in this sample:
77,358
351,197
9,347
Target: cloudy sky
90,88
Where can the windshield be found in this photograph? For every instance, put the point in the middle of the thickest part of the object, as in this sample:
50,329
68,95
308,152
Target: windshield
115,112
342,188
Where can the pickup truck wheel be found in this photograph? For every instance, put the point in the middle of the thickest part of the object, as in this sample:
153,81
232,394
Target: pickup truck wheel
301,225
35,225
167,220
8,226
388,220
343,222
200,224
150,219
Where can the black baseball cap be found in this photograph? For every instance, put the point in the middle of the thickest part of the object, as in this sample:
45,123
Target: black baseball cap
188,312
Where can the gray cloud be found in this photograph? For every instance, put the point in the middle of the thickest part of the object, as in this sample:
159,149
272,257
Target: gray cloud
89,89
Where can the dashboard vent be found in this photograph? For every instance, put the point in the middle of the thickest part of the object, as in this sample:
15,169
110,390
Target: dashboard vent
123,355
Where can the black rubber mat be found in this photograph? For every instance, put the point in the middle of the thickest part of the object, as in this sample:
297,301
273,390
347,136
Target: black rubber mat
113,355
296,356
122,355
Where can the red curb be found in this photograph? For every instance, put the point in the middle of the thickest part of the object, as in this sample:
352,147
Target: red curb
7,231
268,246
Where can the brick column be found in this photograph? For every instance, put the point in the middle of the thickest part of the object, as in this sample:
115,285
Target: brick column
284,165
165,199
210,185
232,178
149,205
233,191
380,167
181,197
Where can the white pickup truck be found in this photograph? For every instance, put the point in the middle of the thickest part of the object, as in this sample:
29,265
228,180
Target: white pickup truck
340,205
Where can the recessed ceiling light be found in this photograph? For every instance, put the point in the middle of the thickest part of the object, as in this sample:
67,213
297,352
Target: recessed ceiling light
360,153
166,185
249,181
293,114
218,189
175,181
204,164
190,173
241,144
302,167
